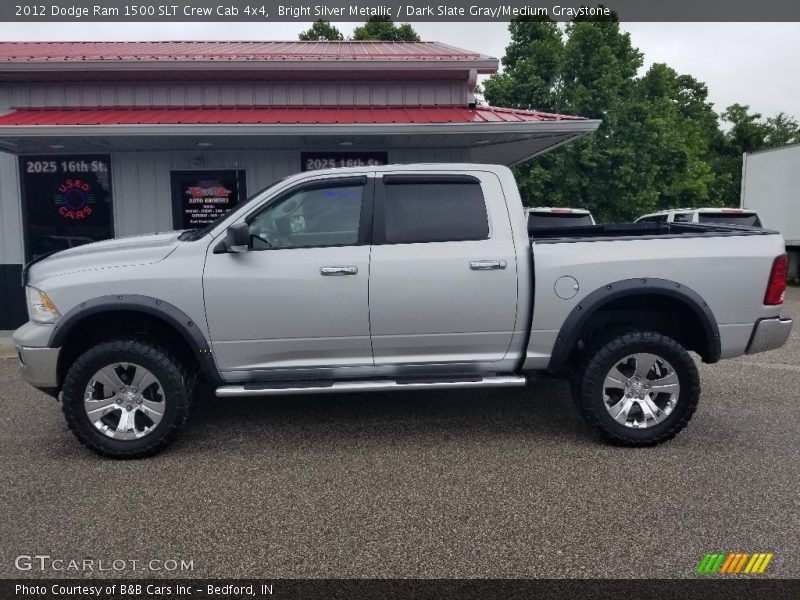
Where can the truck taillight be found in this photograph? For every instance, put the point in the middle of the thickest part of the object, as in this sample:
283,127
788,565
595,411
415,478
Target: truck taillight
776,285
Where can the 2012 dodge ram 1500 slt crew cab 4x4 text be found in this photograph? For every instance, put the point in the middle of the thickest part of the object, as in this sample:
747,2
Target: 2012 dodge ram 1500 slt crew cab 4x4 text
395,278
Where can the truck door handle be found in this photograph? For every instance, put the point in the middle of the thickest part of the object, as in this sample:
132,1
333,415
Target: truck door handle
334,271
487,265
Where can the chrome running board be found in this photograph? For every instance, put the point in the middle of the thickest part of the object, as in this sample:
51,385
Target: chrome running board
380,385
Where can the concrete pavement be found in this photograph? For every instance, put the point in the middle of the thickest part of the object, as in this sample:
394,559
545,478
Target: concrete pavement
501,484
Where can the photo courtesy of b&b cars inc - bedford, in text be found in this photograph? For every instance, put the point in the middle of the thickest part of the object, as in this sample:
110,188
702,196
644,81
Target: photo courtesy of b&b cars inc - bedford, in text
456,300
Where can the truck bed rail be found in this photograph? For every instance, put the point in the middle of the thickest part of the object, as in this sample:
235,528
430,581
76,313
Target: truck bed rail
629,231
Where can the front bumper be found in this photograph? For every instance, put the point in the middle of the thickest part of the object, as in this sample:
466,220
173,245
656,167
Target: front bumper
39,367
37,362
769,334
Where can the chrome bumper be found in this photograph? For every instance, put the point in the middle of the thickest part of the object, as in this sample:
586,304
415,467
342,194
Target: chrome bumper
769,334
39,366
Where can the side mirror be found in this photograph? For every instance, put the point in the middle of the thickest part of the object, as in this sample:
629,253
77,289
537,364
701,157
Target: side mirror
237,238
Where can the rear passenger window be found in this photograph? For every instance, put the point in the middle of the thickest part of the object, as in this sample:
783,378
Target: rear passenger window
682,218
749,219
432,211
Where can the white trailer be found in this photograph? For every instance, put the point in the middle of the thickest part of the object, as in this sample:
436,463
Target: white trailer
771,186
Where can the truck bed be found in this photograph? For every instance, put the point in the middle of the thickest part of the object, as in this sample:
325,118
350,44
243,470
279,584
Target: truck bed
725,266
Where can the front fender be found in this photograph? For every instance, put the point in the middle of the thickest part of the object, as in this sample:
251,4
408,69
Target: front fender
169,313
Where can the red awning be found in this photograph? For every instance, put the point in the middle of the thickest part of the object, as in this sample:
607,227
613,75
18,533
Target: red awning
272,115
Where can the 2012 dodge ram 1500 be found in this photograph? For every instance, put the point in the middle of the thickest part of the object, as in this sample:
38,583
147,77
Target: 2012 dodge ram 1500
395,278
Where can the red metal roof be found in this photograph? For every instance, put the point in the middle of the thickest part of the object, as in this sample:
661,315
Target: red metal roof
272,115
230,51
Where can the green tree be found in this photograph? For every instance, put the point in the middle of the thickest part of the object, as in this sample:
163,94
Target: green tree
321,30
532,67
747,132
600,66
613,178
659,144
782,129
679,123
382,28
589,69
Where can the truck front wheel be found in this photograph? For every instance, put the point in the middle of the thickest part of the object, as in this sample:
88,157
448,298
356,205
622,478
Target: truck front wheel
637,388
127,398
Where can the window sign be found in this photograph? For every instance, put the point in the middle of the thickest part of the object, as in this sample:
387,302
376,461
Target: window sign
311,161
67,201
200,197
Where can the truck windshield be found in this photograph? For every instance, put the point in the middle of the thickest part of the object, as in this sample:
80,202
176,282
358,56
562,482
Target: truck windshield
542,220
749,219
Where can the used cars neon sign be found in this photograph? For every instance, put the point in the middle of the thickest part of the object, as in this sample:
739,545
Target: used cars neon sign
74,199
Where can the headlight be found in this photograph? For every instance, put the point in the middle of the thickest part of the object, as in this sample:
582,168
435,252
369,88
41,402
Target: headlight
40,308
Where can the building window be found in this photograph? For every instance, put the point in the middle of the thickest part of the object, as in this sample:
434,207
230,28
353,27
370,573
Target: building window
66,202
200,197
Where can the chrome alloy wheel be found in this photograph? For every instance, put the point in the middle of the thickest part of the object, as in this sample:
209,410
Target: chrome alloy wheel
641,390
124,401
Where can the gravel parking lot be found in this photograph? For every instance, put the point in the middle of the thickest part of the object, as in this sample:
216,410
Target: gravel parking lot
501,484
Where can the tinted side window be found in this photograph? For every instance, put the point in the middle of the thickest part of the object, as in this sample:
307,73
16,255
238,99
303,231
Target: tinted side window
682,218
434,212
544,220
655,219
748,219
309,217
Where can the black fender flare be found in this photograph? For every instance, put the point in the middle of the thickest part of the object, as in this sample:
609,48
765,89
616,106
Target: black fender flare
179,320
576,321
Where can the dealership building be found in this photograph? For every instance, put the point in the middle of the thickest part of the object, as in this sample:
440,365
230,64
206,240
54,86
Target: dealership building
110,139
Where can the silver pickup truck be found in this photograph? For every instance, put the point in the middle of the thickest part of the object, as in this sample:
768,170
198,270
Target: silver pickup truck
395,278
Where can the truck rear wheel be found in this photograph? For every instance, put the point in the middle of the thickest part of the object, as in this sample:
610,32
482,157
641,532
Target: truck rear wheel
637,388
127,398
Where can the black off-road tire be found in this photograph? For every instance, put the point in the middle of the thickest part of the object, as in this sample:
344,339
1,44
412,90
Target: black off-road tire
602,356
176,380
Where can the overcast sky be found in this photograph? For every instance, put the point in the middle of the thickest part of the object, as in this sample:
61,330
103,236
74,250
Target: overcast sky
750,63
